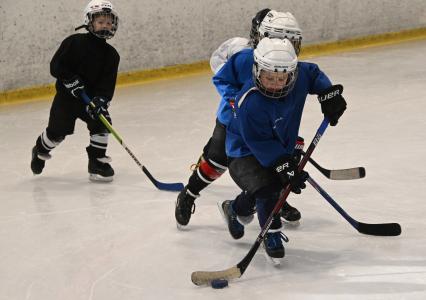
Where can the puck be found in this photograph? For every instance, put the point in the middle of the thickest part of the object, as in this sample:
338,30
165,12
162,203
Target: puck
219,283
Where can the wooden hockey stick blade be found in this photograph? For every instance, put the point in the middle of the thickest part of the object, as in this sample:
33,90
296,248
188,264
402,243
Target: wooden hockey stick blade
339,174
385,229
206,277
347,174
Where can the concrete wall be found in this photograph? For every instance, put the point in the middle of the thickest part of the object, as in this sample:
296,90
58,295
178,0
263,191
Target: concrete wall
157,33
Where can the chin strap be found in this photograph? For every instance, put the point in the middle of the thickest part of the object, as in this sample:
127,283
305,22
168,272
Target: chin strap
79,27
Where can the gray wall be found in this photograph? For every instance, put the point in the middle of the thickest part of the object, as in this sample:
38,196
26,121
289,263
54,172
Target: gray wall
157,33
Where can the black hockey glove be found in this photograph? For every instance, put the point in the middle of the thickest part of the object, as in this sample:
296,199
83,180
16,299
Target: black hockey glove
100,107
332,103
75,86
286,168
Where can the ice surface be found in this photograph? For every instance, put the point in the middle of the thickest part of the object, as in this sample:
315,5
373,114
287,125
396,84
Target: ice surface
63,237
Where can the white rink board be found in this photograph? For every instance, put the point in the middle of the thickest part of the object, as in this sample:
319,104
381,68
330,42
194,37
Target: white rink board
157,33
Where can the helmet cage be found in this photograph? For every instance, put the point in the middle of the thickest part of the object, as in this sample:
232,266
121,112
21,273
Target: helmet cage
97,8
103,34
295,37
289,85
275,55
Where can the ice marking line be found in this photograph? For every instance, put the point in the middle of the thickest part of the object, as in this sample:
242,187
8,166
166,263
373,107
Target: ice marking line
29,290
386,274
102,277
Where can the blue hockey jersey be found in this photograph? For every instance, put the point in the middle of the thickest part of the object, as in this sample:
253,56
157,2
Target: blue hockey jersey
268,128
230,79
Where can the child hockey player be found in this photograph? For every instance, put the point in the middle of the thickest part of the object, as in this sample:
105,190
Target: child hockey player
261,137
213,161
83,63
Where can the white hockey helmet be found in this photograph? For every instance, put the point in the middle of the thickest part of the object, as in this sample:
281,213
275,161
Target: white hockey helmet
96,8
275,56
281,25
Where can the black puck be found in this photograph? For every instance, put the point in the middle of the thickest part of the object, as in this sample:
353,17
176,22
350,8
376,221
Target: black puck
219,283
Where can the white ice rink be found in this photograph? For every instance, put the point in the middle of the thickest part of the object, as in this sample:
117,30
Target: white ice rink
65,238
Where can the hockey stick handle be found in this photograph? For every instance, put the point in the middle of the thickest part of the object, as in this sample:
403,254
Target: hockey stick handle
103,119
283,197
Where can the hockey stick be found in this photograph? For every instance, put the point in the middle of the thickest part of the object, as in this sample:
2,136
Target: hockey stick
174,187
339,174
384,229
205,277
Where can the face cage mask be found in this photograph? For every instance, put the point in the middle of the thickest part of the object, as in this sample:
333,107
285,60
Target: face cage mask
103,34
291,80
297,44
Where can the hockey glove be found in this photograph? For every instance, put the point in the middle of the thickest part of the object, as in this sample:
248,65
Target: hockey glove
100,106
286,168
332,103
74,86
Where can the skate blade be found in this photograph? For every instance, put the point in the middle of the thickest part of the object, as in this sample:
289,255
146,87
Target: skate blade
181,227
99,178
219,206
276,262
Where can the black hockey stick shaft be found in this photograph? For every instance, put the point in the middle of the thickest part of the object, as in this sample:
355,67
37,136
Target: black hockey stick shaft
160,185
339,174
203,277
384,229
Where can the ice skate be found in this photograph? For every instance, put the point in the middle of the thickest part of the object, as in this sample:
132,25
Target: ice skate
38,160
236,229
290,215
273,245
185,207
100,170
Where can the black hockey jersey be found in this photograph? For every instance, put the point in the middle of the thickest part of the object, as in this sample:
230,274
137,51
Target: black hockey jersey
89,57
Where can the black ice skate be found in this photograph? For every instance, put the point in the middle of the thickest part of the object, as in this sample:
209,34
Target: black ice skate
100,169
236,229
38,160
273,244
290,214
185,207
